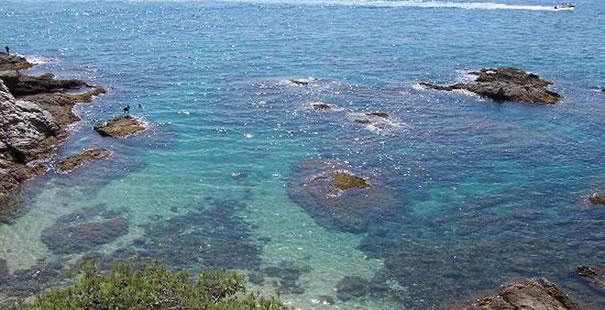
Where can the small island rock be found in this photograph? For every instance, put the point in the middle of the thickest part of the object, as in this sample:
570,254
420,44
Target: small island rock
120,126
506,84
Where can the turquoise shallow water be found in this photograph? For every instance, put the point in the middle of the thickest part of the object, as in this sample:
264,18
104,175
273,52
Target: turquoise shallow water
482,192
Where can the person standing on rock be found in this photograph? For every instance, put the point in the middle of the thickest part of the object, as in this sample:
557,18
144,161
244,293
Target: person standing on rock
7,50
126,109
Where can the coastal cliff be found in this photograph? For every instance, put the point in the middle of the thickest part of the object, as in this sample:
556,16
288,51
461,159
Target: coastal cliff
33,111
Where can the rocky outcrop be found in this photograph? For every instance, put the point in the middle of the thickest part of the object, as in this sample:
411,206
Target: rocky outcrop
320,106
528,294
60,105
32,111
506,84
72,162
596,199
302,82
337,196
13,62
20,84
120,126
27,133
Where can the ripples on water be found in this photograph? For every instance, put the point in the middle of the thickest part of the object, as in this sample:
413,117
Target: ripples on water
484,191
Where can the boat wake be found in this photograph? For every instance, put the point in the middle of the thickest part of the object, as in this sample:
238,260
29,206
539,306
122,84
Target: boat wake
410,4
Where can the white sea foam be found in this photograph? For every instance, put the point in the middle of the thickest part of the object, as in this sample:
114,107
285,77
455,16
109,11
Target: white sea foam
38,60
411,4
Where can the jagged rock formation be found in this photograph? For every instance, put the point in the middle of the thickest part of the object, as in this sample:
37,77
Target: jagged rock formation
32,111
528,294
506,84
27,133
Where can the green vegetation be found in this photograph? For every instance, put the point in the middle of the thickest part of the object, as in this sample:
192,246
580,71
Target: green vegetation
151,286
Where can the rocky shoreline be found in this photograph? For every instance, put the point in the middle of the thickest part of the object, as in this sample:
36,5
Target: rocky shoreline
34,111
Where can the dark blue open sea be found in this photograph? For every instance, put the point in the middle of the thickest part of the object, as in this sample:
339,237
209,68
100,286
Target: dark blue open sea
477,192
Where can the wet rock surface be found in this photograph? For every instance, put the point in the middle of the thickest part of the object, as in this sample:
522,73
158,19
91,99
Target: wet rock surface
529,294
336,196
13,62
595,276
597,199
72,162
120,126
506,84
302,81
60,105
320,106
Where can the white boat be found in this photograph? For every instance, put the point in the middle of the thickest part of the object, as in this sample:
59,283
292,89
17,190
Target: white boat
565,6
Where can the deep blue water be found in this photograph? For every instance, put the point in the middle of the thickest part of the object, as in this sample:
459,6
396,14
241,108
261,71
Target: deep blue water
483,192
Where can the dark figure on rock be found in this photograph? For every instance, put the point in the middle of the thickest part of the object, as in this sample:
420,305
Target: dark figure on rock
7,49
126,109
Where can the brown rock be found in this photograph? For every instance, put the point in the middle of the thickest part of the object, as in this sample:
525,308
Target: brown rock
344,180
506,84
120,126
13,62
72,162
529,294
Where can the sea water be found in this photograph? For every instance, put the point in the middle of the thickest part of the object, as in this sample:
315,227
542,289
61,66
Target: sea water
486,192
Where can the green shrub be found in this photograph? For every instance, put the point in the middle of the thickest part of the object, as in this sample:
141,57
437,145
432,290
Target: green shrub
151,286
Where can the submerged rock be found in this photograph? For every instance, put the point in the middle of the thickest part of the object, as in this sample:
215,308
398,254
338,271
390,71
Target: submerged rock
374,120
352,287
13,62
3,270
506,84
286,276
594,275
596,199
72,162
528,294
325,300
69,238
336,196
120,126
